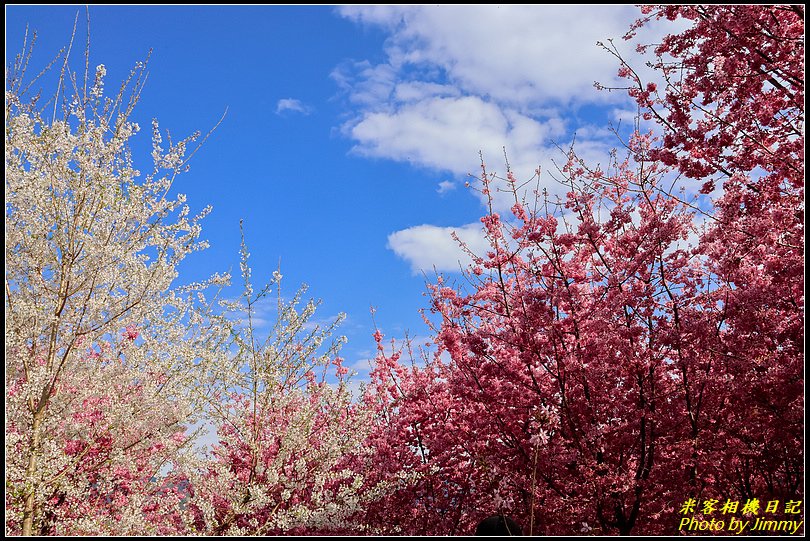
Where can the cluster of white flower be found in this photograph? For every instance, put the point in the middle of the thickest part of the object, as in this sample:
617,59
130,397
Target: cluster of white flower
103,359
109,362
286,435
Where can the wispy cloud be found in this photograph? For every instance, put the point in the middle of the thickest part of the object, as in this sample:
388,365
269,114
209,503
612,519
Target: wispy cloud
290,105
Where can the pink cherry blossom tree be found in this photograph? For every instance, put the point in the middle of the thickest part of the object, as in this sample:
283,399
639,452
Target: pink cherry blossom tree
554,402
619,352
732,115
107,440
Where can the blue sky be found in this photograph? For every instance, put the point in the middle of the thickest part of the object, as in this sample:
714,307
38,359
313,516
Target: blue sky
351,130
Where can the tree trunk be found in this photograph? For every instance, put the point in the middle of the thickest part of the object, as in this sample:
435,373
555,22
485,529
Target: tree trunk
30,472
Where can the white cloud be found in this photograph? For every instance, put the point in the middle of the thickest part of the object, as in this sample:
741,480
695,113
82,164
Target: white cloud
518,54
426,247
446,134
456,80
290,105
360,366
413,91
470,78
381,15
459,80
446,186
367,85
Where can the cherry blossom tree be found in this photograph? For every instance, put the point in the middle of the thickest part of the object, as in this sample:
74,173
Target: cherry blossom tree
732,115
733,100
109,363
631,347
101,347
109,436
556,394
290,438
